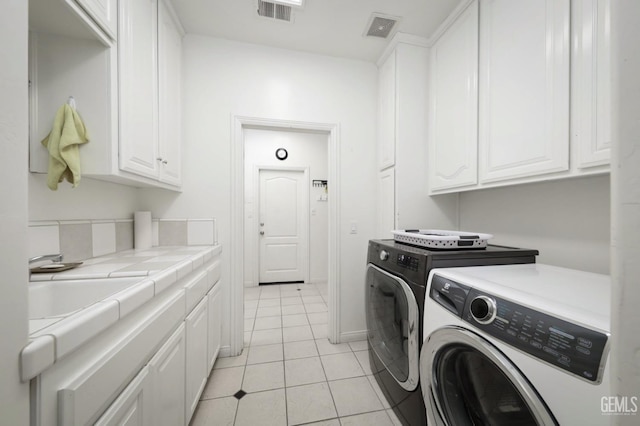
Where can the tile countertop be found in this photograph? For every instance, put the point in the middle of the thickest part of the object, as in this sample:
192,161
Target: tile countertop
52,338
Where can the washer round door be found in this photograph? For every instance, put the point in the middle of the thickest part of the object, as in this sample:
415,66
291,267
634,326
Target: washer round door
392,325
468,381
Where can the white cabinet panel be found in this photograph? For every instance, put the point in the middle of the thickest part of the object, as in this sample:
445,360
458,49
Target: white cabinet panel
167,370
196,349
591,85
133,406
524,88
453,147
137,62
387,207
104,12
387,112
170,111
215,324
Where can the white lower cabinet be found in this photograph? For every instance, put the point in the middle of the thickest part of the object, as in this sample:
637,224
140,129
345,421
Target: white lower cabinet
196,325
215,324
167,371
133,406
149,369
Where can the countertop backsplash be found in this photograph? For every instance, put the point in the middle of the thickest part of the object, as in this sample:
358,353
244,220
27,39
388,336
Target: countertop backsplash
83,239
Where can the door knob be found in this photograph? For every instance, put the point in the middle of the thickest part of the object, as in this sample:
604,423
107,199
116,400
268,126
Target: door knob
261,232
261,223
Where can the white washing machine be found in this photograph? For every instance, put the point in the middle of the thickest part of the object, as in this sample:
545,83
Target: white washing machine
515,345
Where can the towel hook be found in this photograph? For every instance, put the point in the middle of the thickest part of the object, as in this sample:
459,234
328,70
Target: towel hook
72,102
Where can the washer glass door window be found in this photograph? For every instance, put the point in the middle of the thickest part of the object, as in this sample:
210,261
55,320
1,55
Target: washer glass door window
468,381
392,315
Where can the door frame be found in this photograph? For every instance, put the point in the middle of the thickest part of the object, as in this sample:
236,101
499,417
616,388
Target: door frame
236,245
256,217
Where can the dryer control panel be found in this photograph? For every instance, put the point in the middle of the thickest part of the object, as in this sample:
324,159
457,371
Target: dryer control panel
571,347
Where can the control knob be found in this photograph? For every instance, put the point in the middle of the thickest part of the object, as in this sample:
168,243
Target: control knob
483,309
384,255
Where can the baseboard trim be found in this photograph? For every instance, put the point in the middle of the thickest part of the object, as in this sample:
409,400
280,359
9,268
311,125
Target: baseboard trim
353,336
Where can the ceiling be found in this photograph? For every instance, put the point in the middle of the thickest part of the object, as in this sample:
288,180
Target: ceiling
328,27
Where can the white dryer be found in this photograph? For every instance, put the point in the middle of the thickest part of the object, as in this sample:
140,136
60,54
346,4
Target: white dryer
515,345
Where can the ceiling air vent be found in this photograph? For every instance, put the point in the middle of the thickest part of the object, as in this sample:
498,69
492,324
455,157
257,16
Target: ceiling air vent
274,10
380,25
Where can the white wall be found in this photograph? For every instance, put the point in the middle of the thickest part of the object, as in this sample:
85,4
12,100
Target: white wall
224,78
566,220
14,396
91,199
625,179
306,149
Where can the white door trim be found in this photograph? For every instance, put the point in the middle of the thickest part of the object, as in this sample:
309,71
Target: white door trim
236,249
256,217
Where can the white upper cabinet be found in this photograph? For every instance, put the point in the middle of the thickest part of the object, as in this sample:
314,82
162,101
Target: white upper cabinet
523,88
169,79
590,77
453,151
387,112
104,12
138,79
150,58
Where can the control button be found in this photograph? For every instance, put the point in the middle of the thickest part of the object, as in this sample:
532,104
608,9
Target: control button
564,360
535,344
483,309
384,255
523,338
583,350
550,351
585,342
512,333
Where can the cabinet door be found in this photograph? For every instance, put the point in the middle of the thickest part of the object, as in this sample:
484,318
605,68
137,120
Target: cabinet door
215,324
104,12
138,81
196,330
133,406
169,79
167,371
591,85
387,112
387,207
524,88
453,146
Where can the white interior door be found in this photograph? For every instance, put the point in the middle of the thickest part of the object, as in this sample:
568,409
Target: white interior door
283,226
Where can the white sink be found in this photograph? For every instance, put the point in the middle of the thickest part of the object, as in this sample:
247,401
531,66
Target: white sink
57,298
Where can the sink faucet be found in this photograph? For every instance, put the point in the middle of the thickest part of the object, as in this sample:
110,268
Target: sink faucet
54,257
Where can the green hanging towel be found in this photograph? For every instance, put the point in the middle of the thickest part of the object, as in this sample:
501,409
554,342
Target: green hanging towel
63,142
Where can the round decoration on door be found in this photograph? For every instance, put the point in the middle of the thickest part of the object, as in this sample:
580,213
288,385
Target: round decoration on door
281,154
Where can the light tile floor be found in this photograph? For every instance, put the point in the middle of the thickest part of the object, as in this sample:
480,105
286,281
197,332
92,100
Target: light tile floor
291,373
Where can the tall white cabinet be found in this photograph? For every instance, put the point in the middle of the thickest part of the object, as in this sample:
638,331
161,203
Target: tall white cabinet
524,88
453,153
590,84
138,72
169,92
402,184
150,56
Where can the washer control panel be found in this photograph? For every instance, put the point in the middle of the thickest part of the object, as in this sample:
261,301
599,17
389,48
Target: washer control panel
576,349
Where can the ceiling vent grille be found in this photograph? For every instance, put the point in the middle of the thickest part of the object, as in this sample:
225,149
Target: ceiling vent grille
275,11
381,25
